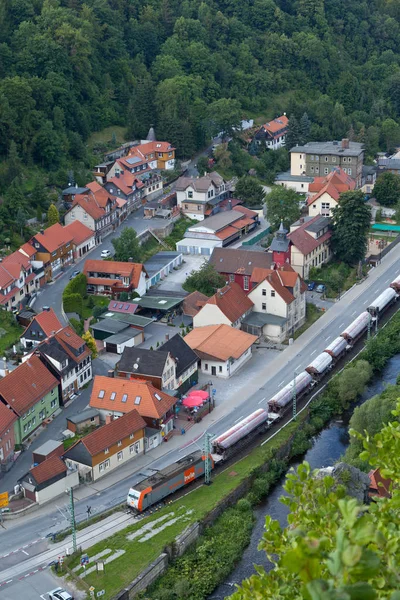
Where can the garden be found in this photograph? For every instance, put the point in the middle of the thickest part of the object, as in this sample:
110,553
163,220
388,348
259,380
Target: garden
10,331
338,277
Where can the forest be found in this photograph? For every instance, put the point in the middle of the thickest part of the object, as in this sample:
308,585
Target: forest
188,67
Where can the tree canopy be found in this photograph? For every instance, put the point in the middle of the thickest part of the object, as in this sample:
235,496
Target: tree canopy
205,280
53,216
351,223
282,205
126,246
387,189
334,548
250,191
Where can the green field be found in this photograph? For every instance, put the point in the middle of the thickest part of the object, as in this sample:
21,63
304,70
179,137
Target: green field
105,136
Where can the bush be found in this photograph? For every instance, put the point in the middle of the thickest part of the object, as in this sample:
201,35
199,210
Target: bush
77,285
73,303
99,310
243,505
77,326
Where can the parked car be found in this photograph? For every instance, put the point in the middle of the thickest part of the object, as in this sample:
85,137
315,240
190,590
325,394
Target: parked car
60,594
311,286
105,253
74,274
320,289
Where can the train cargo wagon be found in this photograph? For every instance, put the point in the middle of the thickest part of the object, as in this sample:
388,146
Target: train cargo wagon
239,431
357,327
382,302
285,396
337,348
166,481
396,284
320,365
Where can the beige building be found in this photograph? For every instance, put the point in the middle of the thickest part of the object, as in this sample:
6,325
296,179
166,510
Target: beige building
325,192
196,195
229,306
279,303
310,244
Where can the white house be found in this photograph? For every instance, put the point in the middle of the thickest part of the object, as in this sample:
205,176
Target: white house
83,240
113,277
279,303
194,195
222,350
229,306
48,480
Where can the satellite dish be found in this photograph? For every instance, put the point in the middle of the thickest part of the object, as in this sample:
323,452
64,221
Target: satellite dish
135,366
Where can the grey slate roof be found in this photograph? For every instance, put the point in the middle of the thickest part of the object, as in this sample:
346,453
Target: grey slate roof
389,163
286,176
149,362
216,222
79,454
110,325
334,148
319,224
83,416
181,352
158,261
237,260
258,319
279,245
123,336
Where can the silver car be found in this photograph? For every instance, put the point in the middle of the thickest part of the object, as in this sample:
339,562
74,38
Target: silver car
60,594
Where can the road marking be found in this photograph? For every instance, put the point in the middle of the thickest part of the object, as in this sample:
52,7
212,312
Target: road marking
387,280
25,552
312,353
342,325
353,313
238,419
9,581
298,368
261,401
328,338
43,597
279,385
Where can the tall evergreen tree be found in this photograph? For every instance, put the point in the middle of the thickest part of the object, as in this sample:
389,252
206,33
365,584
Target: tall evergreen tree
351,223
293,135
305,126
53,216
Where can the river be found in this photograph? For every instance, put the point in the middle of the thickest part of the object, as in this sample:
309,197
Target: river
327,448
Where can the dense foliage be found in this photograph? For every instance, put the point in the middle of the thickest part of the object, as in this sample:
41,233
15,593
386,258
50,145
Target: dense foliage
351,223
282,205
387,189
126,246
205,280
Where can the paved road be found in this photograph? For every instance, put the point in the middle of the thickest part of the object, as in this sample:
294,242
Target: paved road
35,586
268,381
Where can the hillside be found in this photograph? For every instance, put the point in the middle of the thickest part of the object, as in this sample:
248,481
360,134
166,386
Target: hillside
69,68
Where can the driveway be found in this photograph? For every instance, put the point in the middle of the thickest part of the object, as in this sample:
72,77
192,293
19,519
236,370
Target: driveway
175,279
319,300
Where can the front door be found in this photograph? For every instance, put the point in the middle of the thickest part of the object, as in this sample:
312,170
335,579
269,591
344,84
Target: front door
213,370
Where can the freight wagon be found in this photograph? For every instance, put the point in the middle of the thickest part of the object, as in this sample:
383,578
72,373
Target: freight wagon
382,302
337,348
355,330
166,481
282,399
396,284
320,365
239,433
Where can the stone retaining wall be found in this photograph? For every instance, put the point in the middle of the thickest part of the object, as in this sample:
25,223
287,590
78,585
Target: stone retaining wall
146,578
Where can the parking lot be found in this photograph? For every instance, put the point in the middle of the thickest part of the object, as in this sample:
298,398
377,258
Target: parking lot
36,587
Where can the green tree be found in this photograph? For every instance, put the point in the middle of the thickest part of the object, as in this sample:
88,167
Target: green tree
206,280
351,223
14,162
391,134
20,221
294,133
91,343
127,246
202,165
387,189
333,547
282,205
224,116
249,191
305,127
53,216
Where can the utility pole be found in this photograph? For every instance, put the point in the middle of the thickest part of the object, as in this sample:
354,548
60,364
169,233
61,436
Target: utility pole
369,330
207,458
294,395
72,516
376,323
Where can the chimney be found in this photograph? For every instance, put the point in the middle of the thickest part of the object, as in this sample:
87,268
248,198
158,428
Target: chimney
109,419
110,373
5,366
345,143
42,231
301,219
229,204
166,337
46,308
117,174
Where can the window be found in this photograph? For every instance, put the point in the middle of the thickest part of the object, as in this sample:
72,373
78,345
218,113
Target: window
264,292
312,169
317,169
220,369
190,194
104,465
119,443
333,158
264,306
344,159
157,396
120,456
112,397
312,156
53,403
138,399
272,293
344,169
106,450
246,282
124,398
348,171
198,207
134,448
326,159
349,159
186,206
231,278
101,394
132,435
326,171
206,367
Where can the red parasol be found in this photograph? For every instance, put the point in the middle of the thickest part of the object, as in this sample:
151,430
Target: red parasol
201,393
192,401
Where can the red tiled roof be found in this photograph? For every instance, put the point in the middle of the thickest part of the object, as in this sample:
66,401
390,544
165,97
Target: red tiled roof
336,182
232,301
221,342
305,242
193,303
7,418
329,189
48,469
245,211
27,384
149,406
6,278
276,125
127,308
80,233
48,321
152,147
89,204
17,258
102,281
378,485
113,432
226,232
112,267
259,274
53,237
69,339
278,282
28,249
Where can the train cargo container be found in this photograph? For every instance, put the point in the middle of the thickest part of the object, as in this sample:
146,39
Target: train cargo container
239,432
320,365
337,348
382,301
282,399
396,284
357,327
166,481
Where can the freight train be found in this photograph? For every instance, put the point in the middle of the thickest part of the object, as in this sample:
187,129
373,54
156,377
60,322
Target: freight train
179,474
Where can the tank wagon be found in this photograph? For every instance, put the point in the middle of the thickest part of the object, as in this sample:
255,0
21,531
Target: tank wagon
395,285
222,445
382,302
166,481
279,402
320,365
355,330
337,348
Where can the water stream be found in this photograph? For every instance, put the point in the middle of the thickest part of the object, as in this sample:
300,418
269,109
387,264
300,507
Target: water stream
328,446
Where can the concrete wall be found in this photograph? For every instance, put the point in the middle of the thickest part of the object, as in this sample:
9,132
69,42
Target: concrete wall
58,488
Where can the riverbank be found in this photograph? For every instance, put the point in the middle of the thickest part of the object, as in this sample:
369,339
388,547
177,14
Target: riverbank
246,477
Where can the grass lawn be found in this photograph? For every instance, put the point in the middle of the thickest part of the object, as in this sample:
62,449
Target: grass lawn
94,301
195,506
9,330
333,275
105,136
312,314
